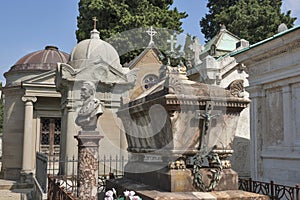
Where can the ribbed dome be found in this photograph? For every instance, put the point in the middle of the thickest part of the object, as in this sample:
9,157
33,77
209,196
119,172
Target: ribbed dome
44,60
94,49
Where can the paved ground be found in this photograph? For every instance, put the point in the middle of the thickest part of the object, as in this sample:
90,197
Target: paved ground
8,191
10,195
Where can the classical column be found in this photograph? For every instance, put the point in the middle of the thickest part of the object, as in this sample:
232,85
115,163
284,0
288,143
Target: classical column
88,148
28,150
257,112
68,145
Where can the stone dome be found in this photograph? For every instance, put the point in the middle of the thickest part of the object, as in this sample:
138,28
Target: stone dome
42,60
94,49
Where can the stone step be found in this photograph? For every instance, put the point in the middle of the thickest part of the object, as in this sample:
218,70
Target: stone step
7,184
9,195
16,194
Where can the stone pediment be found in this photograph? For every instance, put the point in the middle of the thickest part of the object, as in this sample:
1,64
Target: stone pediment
42,85
95,71
150,55
46,78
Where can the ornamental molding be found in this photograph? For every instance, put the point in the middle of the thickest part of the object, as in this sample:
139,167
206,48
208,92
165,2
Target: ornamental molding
280,50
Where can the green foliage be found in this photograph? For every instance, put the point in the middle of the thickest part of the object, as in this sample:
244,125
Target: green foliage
252,20
117,16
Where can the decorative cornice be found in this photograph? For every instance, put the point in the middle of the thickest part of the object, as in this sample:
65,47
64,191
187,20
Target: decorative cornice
281,50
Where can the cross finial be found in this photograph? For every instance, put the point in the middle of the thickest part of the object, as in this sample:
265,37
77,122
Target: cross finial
151,32
95,22
172,41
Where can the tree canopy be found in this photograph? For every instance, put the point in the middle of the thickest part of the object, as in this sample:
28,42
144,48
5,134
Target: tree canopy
253,20
117,16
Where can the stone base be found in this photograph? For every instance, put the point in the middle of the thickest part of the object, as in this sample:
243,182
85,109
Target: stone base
229,179
168,180
147,192
11,174
177,180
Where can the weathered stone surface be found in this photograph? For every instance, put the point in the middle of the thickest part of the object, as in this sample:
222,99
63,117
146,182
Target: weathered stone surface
176,119
165,179
88,143
274,72
147,192
164,119
179,180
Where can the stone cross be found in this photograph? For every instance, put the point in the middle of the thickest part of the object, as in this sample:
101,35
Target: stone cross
172,41
151,32
95,22
196,48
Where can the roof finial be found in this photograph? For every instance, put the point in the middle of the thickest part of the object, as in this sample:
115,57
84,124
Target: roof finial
282,27
94,33
222,27
95,22
172,41
151,32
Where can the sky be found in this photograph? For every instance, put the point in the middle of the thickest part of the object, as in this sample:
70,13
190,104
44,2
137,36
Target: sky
30,25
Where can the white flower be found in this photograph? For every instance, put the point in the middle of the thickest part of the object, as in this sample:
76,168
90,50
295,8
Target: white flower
126,193
131,193
109,193
108,198
134,198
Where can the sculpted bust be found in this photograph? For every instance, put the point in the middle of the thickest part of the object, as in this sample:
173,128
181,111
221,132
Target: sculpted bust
91,108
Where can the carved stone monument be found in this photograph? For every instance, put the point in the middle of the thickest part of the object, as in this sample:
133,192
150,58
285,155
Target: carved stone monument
179,136
195,117
88,142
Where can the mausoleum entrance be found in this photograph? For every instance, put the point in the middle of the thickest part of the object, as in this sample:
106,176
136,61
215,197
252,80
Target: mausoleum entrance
50,136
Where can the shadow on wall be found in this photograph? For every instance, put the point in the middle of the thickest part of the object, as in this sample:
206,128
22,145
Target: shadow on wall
240,159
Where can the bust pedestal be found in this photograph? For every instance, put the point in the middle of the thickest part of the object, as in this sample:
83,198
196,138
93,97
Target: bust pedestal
88,148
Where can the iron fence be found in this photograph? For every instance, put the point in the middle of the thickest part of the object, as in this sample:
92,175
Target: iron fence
274,191
110,167
57,191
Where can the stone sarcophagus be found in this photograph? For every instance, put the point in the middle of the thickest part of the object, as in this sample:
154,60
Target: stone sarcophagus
169,124
173,117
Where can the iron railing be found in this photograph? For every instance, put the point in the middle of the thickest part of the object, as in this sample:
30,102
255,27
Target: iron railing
41,170
57,191
110,167
274,191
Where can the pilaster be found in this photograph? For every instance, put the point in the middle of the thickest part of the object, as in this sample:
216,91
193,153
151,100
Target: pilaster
256,129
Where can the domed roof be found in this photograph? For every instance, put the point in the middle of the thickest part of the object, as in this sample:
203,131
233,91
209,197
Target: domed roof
94,49
44,60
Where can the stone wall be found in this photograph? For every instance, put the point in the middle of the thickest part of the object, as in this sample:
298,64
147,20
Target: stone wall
274,73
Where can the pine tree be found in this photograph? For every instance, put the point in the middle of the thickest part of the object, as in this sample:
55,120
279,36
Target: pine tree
118,16
252,20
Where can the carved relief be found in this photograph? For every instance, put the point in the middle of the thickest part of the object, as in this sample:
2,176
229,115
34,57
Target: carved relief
236,88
